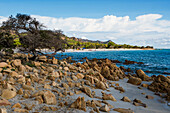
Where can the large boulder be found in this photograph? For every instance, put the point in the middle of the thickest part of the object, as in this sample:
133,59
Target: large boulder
49,98
134,80
141,74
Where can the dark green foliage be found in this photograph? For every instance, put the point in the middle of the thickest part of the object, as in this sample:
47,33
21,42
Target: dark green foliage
31,34
6,41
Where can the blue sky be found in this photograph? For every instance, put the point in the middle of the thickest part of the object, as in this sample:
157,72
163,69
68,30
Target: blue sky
140,22
85,8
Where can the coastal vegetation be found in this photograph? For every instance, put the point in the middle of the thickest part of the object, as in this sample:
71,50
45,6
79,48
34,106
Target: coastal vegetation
77,43
29,34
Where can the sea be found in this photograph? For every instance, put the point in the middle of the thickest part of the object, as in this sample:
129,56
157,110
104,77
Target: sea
156,62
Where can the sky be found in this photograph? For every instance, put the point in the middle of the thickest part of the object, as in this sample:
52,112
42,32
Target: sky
135,22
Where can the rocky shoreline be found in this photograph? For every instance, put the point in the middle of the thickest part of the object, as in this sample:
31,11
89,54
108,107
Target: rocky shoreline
51,85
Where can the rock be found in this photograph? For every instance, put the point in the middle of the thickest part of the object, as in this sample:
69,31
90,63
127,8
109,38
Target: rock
145,85
16,62
71,94
18,110
39,99
54,60
65,85
100,85
47,86
79,104
141,74
49,98
21,68
10,87
42,58
4,102
27,87
97,103
123,110
8,94
80,76
13,74
17,105
61,104
37,64
87,91
126,99
3,64
20,91
50,69
106,73
134,80
104,108
66,68
137,102
149,97
3,110
108,97
120,89
74,78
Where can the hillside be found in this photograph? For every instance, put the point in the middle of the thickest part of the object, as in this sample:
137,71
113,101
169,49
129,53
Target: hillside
77,43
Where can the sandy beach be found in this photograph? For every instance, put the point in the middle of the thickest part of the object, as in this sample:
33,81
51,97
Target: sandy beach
90,50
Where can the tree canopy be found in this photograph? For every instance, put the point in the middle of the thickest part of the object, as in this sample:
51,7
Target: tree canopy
32,34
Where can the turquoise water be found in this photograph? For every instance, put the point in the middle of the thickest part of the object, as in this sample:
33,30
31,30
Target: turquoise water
156,61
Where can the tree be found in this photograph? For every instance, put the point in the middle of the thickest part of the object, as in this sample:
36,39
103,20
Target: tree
7,42
32,35
111,44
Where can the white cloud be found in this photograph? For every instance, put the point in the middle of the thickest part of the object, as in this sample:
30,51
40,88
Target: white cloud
147,29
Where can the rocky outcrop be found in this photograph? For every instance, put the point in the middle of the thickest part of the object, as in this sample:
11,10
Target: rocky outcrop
161,84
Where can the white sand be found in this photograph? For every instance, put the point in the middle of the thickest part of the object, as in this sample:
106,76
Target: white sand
90,50
132,92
